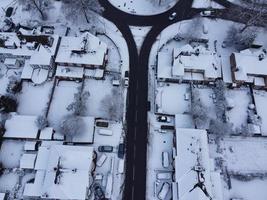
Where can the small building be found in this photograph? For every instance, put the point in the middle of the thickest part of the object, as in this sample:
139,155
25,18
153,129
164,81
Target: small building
30,146
249,67
47,133
27,161
21,127
85,51
58,170
11,63
70,73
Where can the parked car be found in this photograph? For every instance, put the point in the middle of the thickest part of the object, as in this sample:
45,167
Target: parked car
105,148
99,194
165,159
172,16
101,160
106,132
121,150
164,191
208,13
164,175
167,127
126,82
9,11
163,119
101,124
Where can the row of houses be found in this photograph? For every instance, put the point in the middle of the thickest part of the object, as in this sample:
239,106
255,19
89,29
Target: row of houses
40,54
199,64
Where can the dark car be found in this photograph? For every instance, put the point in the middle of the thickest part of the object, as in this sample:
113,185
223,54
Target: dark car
102,124
9,11
99,194
105,148
121,150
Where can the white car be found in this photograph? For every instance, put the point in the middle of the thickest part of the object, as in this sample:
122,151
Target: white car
164,175
164,191
172,16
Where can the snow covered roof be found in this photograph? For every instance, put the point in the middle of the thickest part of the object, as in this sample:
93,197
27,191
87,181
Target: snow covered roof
70,72
248,63
46,133
164,65
87,136
59,169
41,56
192,164
10,61
21,126
86,49
27,161
184,121
30,145
39,75
187,59
2,196
27,71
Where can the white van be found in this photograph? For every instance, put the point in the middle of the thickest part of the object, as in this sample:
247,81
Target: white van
121,166
101,160
164,191
107,132
165,159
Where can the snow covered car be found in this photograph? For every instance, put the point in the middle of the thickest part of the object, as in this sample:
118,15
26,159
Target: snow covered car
163,119
172,16
164,191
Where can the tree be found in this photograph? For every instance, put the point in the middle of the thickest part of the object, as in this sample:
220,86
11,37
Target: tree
72,125
220,128
8,104
38,5
220,103
41,122
198,110
240,39
78,106
88,8
14,85
112,105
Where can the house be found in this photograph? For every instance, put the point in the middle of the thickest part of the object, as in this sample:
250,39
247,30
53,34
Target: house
194,176
21,127
189,63
58,170
249,67
27,161
85,51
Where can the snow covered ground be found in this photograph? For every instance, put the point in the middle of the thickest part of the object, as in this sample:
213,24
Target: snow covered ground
33,100
260,102
143,7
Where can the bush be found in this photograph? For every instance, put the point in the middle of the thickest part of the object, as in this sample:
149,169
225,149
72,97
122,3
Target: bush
14,86
71,125
8,104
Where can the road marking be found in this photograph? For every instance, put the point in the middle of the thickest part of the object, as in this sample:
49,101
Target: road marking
136,100
137,85
135,134
133,172
134,152
132,192
136,116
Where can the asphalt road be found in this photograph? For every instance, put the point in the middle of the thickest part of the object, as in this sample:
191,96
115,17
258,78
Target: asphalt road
137,127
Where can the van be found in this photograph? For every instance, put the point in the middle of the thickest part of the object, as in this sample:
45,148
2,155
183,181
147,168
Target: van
165,159
101,160
105,132
164,175
164,191
121,166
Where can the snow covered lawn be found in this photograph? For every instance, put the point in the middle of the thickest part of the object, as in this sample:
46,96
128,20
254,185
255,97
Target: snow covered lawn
245,155
11,151
8,181
63,96
260,101
33,100
170,99
98,90
240,99
141,7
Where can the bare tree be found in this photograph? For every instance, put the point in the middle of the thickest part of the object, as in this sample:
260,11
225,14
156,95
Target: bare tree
112,104
41,122
198,110
88,8
78,106
72,125
38,5
240,39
